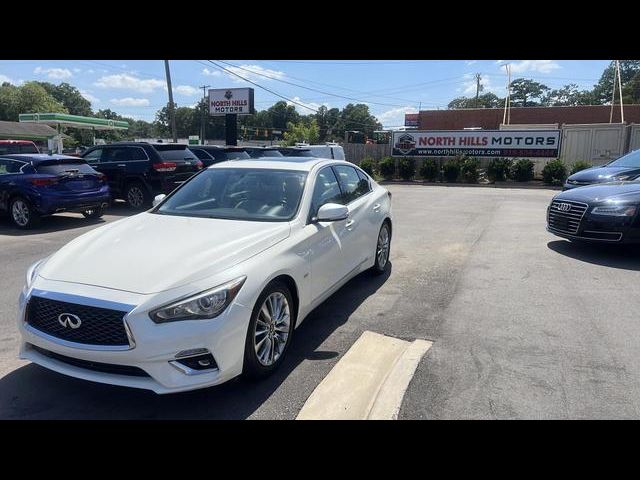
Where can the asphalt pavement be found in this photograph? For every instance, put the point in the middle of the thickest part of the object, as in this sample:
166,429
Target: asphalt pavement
524,325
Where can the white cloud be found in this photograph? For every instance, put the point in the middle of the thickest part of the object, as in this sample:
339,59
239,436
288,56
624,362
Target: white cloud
469,85
247,71
395,116
91,70
210,73
88,96
130,102
77,70
187,90
471,62
132,116
54,73
4,78
540,66
305,111
125,81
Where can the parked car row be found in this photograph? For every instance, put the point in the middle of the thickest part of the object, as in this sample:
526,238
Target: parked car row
33,185
599,204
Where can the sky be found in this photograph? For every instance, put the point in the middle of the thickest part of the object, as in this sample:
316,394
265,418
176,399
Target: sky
137,88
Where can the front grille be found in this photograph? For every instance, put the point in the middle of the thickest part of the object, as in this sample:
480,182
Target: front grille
95,366
100,326
567,221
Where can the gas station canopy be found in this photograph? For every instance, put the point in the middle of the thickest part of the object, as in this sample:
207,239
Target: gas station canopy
76,121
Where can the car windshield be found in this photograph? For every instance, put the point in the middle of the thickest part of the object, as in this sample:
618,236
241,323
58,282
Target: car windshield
62,167
264,153
629,160
236,155
256,194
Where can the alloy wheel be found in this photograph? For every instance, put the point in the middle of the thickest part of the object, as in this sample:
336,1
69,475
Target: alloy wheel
272,330
20,212
382,251
135,197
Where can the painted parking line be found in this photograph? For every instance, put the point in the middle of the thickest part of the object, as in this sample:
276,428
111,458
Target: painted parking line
368,382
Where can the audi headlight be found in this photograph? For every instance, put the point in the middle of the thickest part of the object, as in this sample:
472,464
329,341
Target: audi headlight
615,210
204,305
32,272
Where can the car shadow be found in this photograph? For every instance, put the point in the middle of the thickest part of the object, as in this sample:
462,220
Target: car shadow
37,393
624,257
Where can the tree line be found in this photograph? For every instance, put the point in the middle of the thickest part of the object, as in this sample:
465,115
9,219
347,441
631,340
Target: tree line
529,93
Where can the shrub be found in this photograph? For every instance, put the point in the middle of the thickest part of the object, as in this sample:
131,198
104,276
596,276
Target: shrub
451,169
581,165
498,169
429,170
554,172
521,170
406,168
469,169
387,168
368,164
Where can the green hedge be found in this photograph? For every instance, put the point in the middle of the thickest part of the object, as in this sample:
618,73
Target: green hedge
387,168
498,169
451,169
521,170
429,170
469,169
368,164
554,172
406,168
580,165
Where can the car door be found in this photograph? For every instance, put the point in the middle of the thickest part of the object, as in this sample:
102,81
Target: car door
357,245
9,170
326,239
113,163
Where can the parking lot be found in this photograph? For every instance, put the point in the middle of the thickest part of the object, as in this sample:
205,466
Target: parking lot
524,324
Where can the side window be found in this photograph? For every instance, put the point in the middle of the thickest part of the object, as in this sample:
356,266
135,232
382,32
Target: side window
137,153
93,156
9,166
115,155
200,154
349,182
326,190
364,185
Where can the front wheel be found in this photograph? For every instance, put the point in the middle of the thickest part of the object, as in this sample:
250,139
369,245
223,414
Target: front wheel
137,196
270,331
383,246
23,214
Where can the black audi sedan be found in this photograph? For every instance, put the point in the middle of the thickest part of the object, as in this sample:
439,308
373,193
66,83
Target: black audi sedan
606,212
626,167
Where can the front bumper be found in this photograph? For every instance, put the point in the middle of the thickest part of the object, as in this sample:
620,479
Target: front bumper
603,230
153,349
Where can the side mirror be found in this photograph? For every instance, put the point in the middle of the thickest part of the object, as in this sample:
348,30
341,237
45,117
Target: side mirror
332,212
158,199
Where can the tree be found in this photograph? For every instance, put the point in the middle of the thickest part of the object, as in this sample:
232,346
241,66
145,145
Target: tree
568,95
281,114
299,132
358,117
70,97
486,100
629,70
523,90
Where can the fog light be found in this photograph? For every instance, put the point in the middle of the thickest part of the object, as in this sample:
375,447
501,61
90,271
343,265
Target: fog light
193,365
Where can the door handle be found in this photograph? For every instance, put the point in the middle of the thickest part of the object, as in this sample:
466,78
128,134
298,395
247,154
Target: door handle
121,165
376,207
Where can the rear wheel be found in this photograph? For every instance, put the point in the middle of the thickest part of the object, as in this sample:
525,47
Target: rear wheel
96,212
383,246
137,196
23,214
270,331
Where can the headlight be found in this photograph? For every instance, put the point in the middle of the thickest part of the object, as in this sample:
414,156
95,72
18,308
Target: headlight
207,304
615,210
32,271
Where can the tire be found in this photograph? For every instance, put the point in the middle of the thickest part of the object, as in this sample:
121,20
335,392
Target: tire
260,359
383,247
137,196
96,212
23,214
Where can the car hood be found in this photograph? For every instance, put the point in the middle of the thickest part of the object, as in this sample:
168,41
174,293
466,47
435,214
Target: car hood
623,191
150,253
601,174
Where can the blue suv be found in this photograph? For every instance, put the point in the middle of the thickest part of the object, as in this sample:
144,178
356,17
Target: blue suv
35,185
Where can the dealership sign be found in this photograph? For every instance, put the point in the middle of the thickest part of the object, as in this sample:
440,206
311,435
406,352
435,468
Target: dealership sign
224,101
477,143
410,119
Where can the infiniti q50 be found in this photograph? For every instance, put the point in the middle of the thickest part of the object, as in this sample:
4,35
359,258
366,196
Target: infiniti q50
209,283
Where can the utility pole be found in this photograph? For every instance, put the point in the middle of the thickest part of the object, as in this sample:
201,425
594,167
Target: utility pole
172,107
204,113
613,91
478,87
507,101
620,90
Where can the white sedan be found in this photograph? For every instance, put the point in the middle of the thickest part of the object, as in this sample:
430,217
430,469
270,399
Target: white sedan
212,281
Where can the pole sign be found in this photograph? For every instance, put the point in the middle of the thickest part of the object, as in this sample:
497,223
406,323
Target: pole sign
411,119
478,143
225,101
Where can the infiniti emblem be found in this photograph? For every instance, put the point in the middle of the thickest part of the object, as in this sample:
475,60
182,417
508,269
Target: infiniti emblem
69,320
564,207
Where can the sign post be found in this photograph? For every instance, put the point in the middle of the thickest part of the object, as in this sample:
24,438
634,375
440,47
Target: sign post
231,102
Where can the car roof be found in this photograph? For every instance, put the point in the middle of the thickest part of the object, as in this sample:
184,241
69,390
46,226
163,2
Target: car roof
217,147
36,158
281,163
17,142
